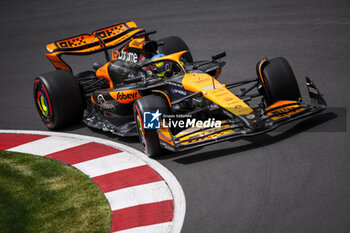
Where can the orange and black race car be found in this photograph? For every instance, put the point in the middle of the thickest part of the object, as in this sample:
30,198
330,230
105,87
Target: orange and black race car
154,89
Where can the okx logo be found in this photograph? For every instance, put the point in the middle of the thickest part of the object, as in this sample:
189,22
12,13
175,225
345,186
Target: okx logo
151,120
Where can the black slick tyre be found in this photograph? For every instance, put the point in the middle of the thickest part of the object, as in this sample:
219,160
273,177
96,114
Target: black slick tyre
58,99
278,80
174,44
149,137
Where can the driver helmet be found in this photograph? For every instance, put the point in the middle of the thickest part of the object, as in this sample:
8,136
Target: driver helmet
161,67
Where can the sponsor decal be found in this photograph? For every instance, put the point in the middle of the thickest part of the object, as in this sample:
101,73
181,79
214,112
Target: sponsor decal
115,54
195,138
217,90
128,56
233,103
142,58
250,116
218,95
211,87
149,72
125,97
122,96
136,43
178,91
175,84
288,111
103,103
201,80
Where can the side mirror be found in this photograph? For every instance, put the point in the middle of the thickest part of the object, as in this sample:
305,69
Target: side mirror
219,55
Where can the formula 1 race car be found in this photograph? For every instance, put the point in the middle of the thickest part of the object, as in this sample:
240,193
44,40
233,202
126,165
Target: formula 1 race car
154,89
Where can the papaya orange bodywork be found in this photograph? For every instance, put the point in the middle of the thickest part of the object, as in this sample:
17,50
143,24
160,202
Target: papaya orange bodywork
90,43
125,97
57,61
103,73
260,74
284,111
165,135
137,43
220,94
282,102
115,54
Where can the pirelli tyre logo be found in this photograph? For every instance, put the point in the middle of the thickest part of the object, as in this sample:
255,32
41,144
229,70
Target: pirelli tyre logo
125,97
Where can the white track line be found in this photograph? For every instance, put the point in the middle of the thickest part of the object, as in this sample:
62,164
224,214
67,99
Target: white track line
107,164
169,178
139,195
48,145
161,227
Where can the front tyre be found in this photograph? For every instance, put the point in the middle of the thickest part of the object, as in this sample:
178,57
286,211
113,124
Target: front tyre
174,44
278,80
58,99
149,137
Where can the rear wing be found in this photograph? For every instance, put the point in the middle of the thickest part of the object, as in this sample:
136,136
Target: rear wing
85,44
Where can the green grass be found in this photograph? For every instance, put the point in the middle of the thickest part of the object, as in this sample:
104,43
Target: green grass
38,194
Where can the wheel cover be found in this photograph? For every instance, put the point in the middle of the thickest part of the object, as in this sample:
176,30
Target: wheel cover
140,130
43,104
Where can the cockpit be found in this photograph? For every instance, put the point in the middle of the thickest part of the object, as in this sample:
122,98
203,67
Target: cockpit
122,72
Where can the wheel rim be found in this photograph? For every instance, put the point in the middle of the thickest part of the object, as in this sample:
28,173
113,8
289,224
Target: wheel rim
43,104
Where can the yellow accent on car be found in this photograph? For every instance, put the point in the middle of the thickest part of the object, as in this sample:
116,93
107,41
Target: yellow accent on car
292,109
165,135
216,92
203,135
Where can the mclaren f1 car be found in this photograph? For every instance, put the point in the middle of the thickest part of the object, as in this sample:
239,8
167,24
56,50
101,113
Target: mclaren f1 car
154,89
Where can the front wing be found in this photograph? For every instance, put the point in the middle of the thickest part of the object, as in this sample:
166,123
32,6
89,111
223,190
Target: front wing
274,116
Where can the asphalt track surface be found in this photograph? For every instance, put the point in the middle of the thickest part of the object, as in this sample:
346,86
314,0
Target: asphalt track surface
296,179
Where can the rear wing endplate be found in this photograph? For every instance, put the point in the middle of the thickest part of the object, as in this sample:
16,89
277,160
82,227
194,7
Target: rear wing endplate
85,44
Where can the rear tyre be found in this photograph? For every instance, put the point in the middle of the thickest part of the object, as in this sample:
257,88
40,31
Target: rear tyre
175,44
149,137
278,80
58,99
